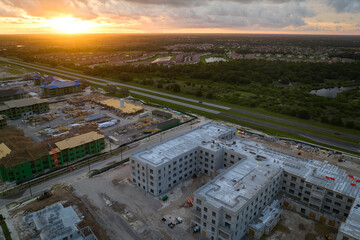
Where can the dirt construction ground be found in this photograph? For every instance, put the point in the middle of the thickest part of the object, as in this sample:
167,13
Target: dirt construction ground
62,194
126,212
294,226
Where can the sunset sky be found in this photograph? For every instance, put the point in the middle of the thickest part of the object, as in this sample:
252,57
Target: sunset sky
180,16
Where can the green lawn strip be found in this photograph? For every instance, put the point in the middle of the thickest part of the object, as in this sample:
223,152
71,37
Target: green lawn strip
5,230
269,131
255,110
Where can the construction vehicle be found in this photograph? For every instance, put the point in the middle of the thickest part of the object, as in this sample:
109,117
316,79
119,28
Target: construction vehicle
45,195
189,201
328,237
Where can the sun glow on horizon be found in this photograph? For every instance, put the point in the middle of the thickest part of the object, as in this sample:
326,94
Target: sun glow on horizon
70,25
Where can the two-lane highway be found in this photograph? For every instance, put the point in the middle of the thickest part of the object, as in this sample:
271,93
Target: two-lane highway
149,94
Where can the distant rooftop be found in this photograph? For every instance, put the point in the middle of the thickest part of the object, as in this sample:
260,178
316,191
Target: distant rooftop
78,140
165,151
127,109
23,102
11,92
60,83
235,187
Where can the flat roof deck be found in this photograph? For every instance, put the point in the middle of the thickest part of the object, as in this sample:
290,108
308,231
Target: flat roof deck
239,184
312,171
23,102
163,152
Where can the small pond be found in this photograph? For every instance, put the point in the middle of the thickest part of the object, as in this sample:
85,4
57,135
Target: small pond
331,92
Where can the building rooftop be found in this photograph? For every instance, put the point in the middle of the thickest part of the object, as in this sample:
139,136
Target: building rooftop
4,150
127,109
351,226
78,140
55,222
235,187
163,152
60,83
24,102
3,107
313,171
11,92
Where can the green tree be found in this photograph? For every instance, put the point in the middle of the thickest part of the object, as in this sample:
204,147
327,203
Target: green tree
176,87
210,95
110,88
124,92
198,93
125,77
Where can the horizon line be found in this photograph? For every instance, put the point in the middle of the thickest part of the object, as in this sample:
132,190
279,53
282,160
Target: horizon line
188,33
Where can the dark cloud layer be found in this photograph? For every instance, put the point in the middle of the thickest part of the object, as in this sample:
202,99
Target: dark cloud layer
180,14
351,6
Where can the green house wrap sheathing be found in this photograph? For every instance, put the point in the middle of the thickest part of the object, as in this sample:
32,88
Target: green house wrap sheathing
17,108
66,151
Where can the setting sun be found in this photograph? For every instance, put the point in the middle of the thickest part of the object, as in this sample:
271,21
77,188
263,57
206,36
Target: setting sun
70,25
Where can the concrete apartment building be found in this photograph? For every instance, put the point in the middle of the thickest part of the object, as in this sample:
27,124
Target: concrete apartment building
158,169
224,207
235,202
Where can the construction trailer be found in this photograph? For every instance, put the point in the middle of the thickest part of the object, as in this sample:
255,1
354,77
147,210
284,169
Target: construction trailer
24,107
11,94
20,163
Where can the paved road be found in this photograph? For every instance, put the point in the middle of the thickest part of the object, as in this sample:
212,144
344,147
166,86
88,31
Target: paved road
79,174
320,139
79,76
298,124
